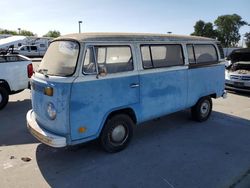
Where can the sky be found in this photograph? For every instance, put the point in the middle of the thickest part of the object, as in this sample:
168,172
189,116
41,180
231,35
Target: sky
146,16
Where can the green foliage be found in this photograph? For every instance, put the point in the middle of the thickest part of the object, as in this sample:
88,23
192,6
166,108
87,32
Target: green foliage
22,32
8,32
26,33
228,29
53,34
247,35
204,29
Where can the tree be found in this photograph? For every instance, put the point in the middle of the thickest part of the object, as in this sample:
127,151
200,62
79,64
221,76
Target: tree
247,35
8,32
22,32
53,34
204,29
26,33
228,29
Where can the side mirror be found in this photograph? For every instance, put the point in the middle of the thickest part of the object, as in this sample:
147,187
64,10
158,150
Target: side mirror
102,70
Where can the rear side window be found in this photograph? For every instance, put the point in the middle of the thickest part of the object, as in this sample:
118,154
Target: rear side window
158,56
222,56
202,53
33,48
110,59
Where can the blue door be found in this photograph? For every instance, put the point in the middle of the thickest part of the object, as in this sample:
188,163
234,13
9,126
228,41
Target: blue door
108,82
163,82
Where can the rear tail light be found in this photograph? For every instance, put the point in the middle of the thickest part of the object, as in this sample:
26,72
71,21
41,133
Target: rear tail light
30,70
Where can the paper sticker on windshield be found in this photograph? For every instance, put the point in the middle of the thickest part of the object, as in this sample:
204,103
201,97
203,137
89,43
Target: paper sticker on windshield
68,48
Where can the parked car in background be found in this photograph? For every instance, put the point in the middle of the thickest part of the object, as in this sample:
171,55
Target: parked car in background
15,72
30,51
238,70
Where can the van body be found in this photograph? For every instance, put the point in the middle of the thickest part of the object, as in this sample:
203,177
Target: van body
100,85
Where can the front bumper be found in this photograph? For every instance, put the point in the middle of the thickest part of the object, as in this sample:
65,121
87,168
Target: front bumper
43,135
237,86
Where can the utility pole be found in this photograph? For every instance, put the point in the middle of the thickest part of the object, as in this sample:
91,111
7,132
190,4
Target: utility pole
79,22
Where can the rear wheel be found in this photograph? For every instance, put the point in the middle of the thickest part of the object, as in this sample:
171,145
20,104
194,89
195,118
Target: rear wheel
202,110
4,97
117,133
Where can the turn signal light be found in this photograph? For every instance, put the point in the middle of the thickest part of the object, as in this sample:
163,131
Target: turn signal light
48,91
81,129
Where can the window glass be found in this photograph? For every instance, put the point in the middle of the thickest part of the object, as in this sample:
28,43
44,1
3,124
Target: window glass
146,59
205,53
42,45
222,56
110,59
60,58
159,56
101,54
33,48
162,55
190,51
89,66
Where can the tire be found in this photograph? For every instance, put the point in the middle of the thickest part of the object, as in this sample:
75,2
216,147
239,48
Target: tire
4,97
202,110
117,133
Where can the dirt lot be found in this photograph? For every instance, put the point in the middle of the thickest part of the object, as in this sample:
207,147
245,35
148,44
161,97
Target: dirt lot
172,151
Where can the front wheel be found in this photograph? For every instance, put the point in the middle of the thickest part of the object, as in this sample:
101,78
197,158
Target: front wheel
202,110
4,97
117,133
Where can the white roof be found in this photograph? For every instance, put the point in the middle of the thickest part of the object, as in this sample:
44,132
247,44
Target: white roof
11,39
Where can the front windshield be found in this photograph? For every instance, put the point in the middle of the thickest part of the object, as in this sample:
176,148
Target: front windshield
60,59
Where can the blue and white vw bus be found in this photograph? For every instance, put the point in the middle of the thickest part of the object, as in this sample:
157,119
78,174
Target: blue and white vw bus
100,85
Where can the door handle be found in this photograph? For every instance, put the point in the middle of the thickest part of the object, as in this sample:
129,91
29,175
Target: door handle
134,85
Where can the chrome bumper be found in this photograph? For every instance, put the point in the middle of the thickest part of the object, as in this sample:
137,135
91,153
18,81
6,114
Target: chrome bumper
43,135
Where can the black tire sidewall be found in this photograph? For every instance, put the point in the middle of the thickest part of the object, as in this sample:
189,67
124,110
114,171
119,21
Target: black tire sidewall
5,97
196,110
106,142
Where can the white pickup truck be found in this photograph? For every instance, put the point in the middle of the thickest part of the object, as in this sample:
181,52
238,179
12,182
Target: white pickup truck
30,51
15,71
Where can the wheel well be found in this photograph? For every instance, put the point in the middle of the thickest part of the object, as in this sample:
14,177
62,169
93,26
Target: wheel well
5,84
213,95
128,111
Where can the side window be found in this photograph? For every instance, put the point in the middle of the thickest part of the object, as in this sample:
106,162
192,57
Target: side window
157,56
89,66
42,46
110,59
205,53
33,48
190,51
202,53
146,57
222,56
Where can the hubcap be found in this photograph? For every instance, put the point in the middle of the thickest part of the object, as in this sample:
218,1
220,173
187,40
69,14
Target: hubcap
205,106
118,134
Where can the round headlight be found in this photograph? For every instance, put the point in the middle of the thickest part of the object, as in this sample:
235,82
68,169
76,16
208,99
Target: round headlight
51,110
